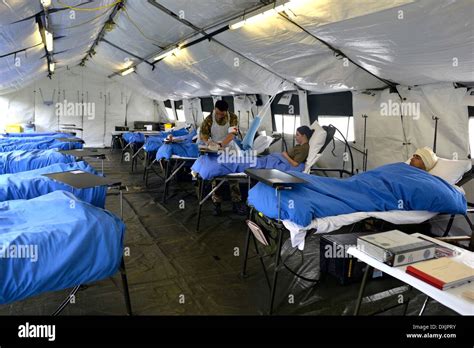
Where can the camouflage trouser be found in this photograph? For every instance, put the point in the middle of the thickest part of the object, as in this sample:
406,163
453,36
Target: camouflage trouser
234,192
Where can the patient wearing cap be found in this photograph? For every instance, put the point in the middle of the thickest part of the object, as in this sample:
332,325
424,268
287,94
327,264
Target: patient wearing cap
424,158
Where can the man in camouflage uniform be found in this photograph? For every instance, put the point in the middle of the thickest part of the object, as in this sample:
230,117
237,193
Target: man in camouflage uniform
215,127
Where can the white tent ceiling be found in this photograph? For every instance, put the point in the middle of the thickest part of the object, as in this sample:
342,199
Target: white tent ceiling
407,42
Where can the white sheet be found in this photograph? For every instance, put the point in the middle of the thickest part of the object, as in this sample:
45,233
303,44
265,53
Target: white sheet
332,223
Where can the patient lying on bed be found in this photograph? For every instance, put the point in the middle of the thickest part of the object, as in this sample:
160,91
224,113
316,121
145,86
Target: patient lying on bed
424,158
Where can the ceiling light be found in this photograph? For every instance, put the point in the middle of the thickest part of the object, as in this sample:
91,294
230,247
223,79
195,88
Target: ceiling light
127,71
51,67
49,40
168,53
45,3
259,15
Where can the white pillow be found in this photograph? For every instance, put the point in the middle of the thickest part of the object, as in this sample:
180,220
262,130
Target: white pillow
316,142
451,170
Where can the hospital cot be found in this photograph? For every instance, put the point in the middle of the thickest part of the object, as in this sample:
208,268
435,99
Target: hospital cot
21,161
66,242
33,183
266,225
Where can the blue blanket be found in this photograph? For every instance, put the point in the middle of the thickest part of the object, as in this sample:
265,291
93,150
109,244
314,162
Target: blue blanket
21,161
15,138
177,149
65,242
31,135
153,143
139,138
211,166
134,137
31,184
395,186
38,143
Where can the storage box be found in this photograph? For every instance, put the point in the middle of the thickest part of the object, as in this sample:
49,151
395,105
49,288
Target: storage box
334,259
141,125
14,128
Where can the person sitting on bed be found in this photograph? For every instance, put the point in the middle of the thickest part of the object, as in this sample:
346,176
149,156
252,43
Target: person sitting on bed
299,153
424,158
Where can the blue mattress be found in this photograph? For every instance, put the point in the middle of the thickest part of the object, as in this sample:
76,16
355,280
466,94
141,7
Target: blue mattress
395,186
63,244
22,161
210,166
31,184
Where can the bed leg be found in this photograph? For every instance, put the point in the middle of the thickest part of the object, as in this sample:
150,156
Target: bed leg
126,293
275,271
265,272
165,190
362,289
243,273
145,176
146,165
448,226
201,190
471,226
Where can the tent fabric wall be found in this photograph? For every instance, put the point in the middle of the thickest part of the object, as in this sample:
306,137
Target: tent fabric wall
445,102
297,56
21,32
193,111
391,139
422,42
112,103
271,56
244,107
383,146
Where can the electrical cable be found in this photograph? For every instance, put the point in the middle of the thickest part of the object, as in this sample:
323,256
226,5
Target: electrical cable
160,44
80,24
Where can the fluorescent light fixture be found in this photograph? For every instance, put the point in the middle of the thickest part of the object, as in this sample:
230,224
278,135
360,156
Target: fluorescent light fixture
46,3
51,67
49,40
259,15
167,53
127,71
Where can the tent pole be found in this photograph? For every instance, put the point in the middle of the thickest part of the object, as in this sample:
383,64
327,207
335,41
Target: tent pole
434,118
